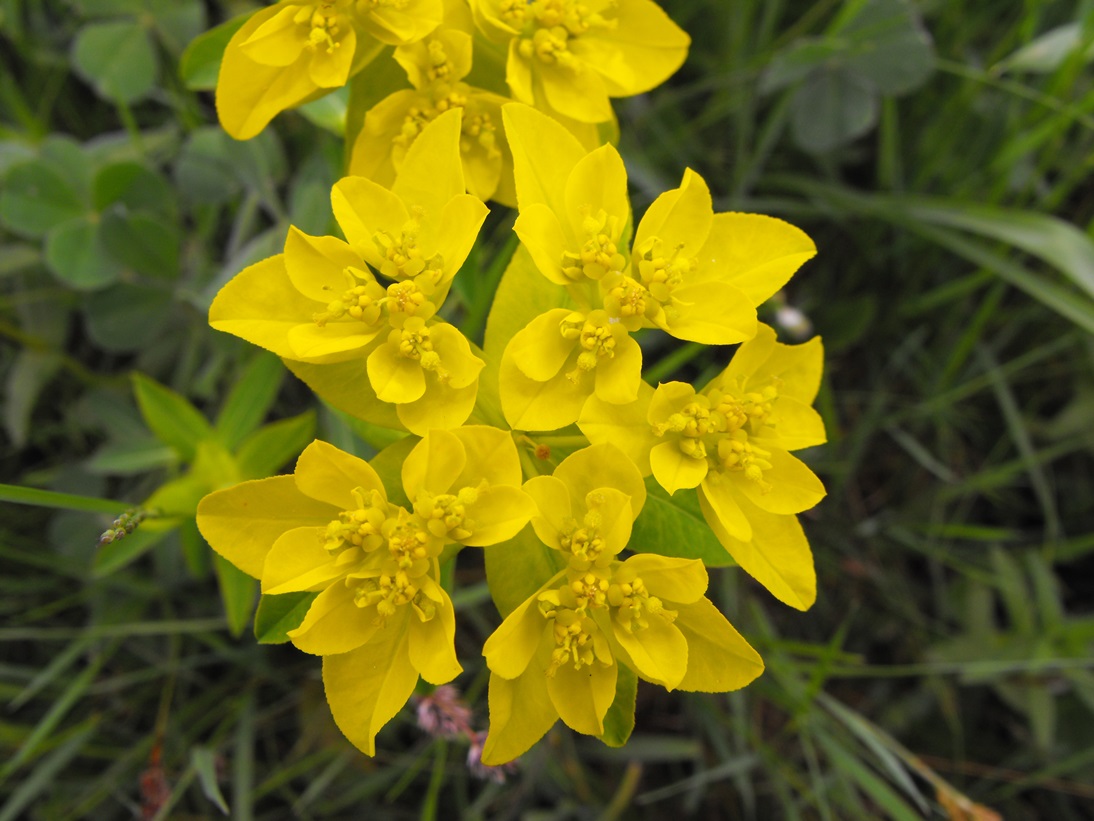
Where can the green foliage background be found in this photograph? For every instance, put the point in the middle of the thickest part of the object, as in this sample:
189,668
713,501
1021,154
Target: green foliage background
940,155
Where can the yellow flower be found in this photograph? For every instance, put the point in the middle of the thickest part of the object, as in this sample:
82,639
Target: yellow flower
325,302
556,655
553,365
732,441
699,275
436,67
572,55
291,52
381,617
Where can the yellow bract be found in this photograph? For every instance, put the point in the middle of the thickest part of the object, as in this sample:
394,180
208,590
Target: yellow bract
380,618
325,301
436,67
556,655
695,274
731,441
570,56
291,52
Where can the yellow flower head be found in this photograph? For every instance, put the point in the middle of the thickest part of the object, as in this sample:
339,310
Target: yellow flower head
381,618
732,441
572,55
325,301
436,67
294,51
556,655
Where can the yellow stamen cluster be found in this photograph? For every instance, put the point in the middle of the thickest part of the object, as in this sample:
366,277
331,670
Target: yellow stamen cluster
633,605
388,592
740,408
359,527
599,254
445,516
626,297
548,25
360,303
661,271
735,452
402,259
324,23
405,300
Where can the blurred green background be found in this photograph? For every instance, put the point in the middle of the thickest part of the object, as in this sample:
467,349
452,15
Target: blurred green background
940,154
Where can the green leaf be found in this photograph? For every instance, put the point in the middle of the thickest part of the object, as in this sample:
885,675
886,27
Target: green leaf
204,172
274,446
1049,238
136,187
177,22
170,416
518,568
329,111
619,720
794,64
109,8
200,63
831,108
237,592
388,465
29,372
118,59
203,760
36,198
142,242
887,45
674,526
277,615
523,294
131,456
128,316
250,398
76,254
1046,53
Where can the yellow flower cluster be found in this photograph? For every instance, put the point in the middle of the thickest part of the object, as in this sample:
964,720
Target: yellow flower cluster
362,321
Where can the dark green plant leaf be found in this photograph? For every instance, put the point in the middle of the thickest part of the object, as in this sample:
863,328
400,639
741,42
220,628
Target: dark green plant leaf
794,64
674,526
177,22
277,615
237,592
619,720
831,108
117,59
127,317
516,569
36,198
29,372
887,44
76,255
203,172
136,187
142,242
